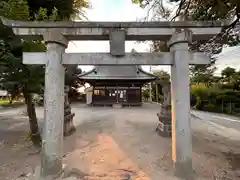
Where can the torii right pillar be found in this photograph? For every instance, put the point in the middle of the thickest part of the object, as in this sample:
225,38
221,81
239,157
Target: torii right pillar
180,93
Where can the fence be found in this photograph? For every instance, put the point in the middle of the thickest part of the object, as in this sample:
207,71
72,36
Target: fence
224,106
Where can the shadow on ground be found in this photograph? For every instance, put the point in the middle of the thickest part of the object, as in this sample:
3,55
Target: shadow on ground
118,144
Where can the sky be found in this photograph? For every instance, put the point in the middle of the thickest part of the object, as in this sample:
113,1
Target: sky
124,10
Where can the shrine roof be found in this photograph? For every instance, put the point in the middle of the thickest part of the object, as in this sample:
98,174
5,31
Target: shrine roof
117,73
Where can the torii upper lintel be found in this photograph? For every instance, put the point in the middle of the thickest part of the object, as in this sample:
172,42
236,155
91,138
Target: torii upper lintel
87,30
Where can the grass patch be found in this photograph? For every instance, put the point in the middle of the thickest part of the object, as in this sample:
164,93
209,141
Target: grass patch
4,101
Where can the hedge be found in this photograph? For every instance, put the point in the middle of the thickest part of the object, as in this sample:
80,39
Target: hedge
215,99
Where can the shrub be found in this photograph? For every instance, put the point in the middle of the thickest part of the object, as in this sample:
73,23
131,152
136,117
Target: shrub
211,107
213,99
38,99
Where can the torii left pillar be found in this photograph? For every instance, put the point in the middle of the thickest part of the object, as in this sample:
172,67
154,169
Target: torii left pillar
52,144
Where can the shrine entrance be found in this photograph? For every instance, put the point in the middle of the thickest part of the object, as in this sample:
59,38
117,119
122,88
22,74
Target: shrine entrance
57,35
121,95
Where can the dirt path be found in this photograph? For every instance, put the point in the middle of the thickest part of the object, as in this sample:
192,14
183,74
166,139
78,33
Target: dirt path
122,144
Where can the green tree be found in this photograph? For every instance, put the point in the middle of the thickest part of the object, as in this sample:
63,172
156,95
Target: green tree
15,76
145,92
67,9
196,9
236,81
199,10
228,72
163,78
230,78
202,74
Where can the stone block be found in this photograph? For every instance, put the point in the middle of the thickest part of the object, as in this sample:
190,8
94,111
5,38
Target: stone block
72,173
67,112
69,128
69,117
55,36
164,127
117,106
166,110
117,42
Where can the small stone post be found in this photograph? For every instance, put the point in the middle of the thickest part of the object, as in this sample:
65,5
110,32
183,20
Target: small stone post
181,125
52,144
68,128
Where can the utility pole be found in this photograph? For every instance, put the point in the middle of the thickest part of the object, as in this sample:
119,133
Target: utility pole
157,95
150,86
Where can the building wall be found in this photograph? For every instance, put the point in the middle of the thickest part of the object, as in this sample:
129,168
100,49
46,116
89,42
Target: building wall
121,95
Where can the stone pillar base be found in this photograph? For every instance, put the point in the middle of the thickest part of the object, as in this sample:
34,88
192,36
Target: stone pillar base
164,127
184,169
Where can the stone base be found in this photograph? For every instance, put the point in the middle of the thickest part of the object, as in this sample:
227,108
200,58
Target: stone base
184,170
73,173
65,174
164,127
36,175
69,127
117,106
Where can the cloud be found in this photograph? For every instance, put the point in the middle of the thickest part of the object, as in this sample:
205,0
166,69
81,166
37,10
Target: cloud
230,57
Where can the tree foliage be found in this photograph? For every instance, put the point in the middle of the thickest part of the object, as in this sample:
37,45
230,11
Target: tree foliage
208,91
218,96
203,74
228,72
196,9
163,79
16,77
221,96
200,10
68,9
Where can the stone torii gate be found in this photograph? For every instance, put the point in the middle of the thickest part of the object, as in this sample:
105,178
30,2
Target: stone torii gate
57,35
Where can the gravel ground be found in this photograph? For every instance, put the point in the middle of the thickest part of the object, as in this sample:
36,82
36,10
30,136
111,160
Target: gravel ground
118,144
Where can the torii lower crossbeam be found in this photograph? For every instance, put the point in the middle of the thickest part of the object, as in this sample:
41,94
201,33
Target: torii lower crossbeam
106,59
